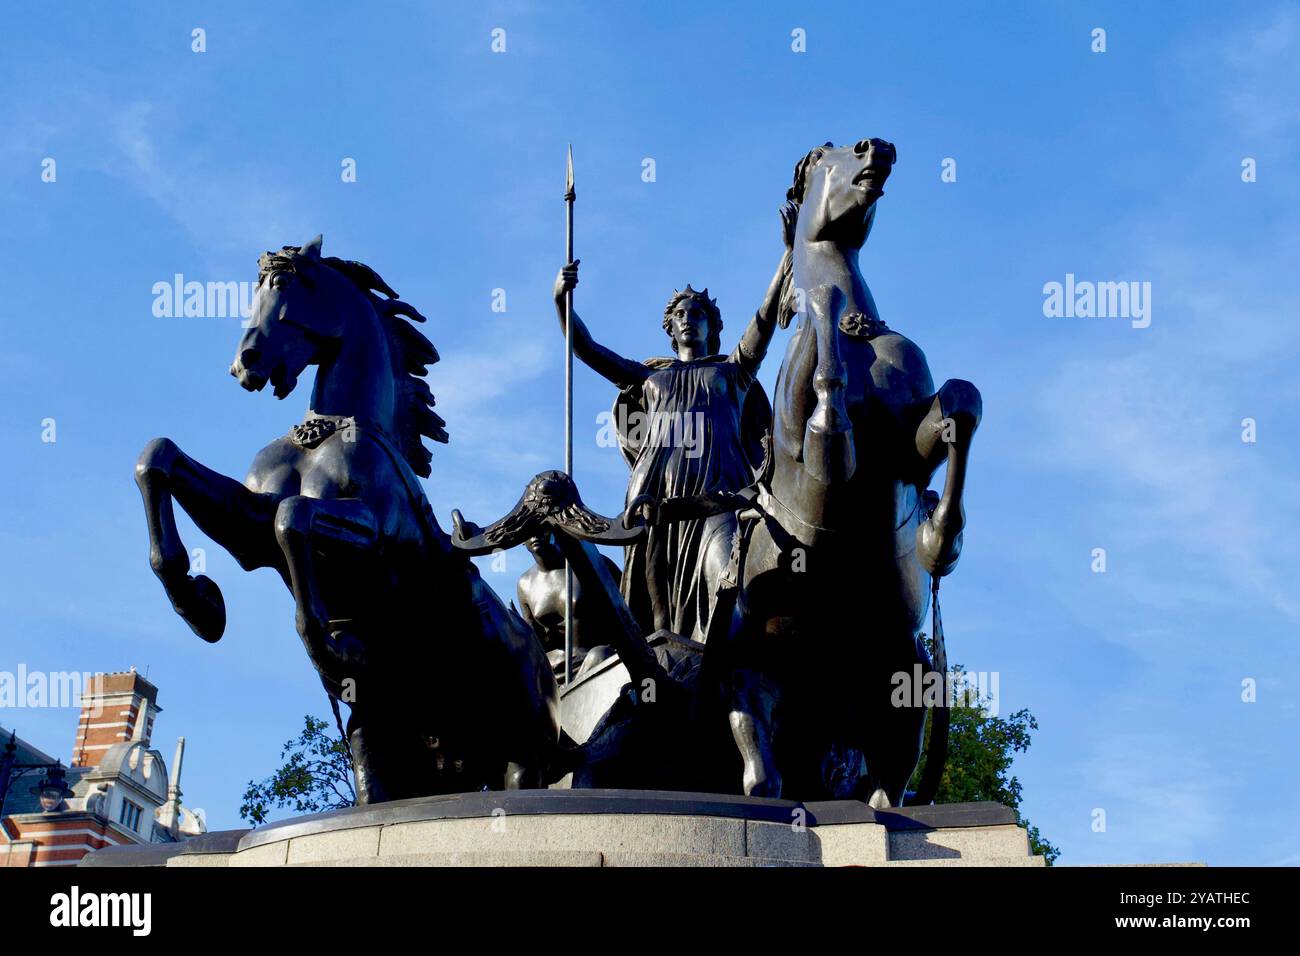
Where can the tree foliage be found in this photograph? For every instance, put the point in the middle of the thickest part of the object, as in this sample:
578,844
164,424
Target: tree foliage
316,775
981,748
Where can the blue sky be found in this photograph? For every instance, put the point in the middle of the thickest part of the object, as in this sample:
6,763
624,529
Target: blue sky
1115,166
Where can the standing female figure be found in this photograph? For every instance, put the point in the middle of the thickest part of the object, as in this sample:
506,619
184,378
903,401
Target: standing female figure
694,427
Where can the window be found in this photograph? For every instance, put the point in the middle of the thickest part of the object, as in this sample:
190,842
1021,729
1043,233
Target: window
130,815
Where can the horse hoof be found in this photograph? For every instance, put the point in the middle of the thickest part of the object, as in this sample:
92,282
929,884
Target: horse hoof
765,786
879,800
202,607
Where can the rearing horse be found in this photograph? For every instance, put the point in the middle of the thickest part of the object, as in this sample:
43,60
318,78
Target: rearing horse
395,621
838,568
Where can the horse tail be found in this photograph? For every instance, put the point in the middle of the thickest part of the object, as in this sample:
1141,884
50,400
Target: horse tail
936,755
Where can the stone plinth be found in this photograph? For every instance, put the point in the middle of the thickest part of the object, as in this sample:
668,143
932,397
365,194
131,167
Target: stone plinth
608,828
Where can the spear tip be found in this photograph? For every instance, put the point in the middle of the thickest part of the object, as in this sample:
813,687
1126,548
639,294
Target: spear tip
568,181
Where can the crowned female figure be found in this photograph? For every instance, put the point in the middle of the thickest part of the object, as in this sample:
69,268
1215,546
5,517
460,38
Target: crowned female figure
689,424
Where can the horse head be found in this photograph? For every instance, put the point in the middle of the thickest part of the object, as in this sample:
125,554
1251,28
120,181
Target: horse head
836,189
300,311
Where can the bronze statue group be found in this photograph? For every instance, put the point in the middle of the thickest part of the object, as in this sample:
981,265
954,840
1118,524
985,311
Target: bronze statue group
781,557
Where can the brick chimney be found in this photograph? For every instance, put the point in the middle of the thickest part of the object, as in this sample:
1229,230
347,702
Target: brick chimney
115,708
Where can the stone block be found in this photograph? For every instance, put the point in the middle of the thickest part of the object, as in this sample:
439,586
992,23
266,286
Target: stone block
601,833
270,854
359,842
973,843
853,844
200,859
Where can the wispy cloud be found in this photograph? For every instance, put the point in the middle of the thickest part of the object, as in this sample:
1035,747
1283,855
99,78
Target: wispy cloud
1165,442
498,432
1256,55
221,201
1159,799
1155,420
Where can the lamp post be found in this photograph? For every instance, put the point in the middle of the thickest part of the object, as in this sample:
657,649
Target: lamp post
53,787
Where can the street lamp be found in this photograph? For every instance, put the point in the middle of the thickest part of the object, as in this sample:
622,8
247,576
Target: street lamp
52,789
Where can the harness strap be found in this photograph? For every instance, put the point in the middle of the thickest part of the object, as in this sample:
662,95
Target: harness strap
936,755
338,719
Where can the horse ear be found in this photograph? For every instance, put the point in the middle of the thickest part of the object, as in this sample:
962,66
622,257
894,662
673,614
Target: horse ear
312,248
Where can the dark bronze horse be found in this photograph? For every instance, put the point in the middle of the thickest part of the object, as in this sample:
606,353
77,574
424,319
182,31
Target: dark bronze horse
837,570
393,618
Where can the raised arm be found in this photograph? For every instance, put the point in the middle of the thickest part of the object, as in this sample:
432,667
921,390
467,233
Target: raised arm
752,348
621,371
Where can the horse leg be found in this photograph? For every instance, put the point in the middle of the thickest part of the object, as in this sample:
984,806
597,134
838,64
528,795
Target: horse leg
754,702
522,776
366,774
305,526
892,737
828,437
391,759
945,432
237,519
794,392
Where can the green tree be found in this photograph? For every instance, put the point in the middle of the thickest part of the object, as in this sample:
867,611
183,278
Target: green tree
981,748
316,776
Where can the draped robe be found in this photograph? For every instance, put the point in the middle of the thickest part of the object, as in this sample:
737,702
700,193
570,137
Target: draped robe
700,433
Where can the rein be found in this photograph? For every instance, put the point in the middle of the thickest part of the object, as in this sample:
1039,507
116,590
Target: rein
936,755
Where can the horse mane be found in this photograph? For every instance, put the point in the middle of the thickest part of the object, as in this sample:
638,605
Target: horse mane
801,170
413,416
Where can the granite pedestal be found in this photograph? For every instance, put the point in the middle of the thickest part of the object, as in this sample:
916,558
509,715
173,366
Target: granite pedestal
608,828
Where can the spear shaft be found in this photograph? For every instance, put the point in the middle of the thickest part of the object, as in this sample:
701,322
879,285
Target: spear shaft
569,197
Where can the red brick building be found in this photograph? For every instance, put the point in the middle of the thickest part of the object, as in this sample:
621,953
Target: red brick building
117,789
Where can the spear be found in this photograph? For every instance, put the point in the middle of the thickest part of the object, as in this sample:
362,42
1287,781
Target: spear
569,197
